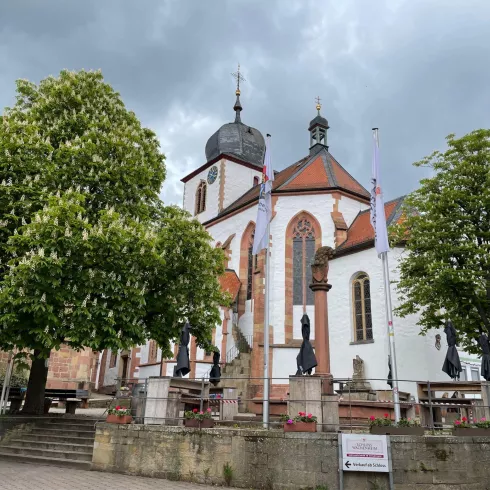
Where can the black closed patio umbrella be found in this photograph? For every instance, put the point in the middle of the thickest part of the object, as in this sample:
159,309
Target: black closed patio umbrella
452,365
183,366
389,381
306,359
485,359
215,373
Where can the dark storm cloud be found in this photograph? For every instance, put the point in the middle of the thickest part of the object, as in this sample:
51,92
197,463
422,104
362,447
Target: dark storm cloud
417,70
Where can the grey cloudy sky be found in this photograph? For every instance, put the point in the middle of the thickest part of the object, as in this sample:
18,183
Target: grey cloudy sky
417,69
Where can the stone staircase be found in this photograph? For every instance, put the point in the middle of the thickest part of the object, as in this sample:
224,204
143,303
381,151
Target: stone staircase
56,441
239,369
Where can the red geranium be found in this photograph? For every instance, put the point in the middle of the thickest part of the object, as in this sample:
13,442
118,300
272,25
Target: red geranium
118,407
464,419
195,410
386,415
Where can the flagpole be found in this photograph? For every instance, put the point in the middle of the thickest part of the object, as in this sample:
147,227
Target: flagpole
262,240
391,333
383,237
265,405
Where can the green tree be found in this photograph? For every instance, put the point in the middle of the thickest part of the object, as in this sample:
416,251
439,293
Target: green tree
89,255
445,273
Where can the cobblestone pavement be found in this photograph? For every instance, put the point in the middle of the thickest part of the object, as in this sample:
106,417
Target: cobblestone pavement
21,476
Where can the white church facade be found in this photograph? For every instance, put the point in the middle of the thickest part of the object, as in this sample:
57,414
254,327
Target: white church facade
316,202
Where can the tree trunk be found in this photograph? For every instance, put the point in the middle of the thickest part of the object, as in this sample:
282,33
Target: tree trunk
34,402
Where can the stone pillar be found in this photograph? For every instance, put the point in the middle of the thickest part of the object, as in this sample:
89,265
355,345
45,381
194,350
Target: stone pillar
321,287
305,395
161,407
229,409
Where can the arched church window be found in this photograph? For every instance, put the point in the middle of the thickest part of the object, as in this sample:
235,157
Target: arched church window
200,197
361,299
250,265
303,256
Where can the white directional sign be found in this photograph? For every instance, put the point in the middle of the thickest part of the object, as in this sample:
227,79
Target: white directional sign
363,452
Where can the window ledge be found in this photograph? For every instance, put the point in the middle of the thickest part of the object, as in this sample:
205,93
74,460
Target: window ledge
360,342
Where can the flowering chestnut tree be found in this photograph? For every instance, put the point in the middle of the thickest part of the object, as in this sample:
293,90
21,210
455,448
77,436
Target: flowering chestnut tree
445,273
89,255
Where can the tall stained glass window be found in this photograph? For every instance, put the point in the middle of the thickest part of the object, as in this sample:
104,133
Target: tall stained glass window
250,266
200,197
303,256
361,303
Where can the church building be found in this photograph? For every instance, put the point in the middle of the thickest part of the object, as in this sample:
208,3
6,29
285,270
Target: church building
316,202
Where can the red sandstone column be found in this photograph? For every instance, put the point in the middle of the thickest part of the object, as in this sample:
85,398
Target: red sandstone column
321,287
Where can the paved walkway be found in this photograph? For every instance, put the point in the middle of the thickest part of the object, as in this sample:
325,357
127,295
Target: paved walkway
20,476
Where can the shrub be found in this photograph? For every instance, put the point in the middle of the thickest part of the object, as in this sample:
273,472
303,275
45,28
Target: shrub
198,415
301,417
119,411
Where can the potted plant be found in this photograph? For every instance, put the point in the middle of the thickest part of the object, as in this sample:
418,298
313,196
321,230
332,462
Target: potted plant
119,415
462,427
198,419
303,422
405,427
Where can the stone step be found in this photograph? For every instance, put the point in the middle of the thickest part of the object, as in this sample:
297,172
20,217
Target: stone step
29,436
67,426
21,458
68,446
61,419
62,432
47,453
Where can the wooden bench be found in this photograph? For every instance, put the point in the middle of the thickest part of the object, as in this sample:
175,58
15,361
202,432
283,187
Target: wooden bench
433,407
15,397
71,397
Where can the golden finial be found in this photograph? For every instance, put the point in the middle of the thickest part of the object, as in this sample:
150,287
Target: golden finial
318,105
239,78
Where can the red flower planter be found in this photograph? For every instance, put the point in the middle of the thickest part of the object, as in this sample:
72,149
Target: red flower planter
300,427
397,431
115,419
471,432
199,424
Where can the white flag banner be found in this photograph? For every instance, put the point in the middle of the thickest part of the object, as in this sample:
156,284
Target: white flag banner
378,218
264,212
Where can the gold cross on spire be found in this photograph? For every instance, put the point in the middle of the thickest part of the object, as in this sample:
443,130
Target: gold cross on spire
239,78
318,105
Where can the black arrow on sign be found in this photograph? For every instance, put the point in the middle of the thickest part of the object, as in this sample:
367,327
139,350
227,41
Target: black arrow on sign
347,464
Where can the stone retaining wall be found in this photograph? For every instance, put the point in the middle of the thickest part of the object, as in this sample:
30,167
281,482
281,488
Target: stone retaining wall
274,460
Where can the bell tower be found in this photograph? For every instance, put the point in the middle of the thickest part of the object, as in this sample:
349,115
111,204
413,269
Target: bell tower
318,131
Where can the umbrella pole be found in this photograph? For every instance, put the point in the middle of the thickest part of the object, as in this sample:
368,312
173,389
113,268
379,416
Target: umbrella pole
391,334
265,405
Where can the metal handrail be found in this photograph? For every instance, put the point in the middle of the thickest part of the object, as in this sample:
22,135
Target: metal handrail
242,345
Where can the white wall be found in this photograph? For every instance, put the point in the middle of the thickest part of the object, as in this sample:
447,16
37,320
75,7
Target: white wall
238,180
417,357
212,194
350,209
283,364
147,371
235,224
320,206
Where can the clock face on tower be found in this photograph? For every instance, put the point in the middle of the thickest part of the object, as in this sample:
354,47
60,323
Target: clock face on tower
212,174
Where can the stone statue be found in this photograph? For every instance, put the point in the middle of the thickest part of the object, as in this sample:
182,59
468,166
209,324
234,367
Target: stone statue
358,382
320,265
